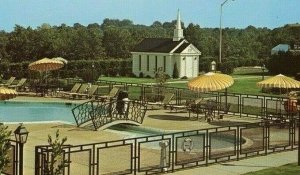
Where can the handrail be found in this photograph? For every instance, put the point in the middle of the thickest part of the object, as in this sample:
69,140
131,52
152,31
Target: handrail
101,113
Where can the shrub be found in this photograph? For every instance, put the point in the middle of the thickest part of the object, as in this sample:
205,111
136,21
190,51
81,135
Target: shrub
184,77
297,77
175,71
148,76
57,162
88,75
132,75
4,143
167,76
141,75
226,67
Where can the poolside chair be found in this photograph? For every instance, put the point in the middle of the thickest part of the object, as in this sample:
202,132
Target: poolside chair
91,91
18,86
74,89
164,103
113,93
185,106
83,89
9,81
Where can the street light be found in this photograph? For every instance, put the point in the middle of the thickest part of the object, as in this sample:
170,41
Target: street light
93,79
220,47
21,135
263,68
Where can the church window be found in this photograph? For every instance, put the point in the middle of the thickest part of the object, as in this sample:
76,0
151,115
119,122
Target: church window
155,63
147,62
140,62
165,60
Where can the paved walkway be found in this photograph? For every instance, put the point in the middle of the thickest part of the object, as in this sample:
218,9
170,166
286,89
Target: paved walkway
245,165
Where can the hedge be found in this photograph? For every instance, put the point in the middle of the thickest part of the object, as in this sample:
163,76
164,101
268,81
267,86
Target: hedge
78,68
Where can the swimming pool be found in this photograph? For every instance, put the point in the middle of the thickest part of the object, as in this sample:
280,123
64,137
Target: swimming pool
36,112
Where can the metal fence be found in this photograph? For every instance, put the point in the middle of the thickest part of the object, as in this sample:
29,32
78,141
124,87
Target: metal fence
175,151
244,105
170,152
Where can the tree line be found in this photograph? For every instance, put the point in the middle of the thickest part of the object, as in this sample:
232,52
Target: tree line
116,38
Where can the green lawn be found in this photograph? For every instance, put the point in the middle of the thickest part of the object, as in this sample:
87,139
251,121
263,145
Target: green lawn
242,83
135,80
245,80
289,169
245,85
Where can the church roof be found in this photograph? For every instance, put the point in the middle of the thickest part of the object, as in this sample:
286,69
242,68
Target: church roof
182,47
158,45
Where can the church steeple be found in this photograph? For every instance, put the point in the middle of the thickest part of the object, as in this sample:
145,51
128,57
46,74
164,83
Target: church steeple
178,31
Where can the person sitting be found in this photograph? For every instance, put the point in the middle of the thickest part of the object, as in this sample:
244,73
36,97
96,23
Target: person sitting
290,105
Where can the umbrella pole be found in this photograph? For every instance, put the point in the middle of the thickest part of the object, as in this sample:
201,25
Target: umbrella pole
225,96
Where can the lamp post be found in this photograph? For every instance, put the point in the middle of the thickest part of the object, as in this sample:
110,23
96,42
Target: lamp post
220,47
263,68
213,66
21,135
93,79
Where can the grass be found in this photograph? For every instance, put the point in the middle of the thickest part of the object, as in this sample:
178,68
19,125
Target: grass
135,80
245,79
245,85
289,169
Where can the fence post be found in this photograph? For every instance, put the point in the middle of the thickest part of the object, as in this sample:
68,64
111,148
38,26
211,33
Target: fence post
163,155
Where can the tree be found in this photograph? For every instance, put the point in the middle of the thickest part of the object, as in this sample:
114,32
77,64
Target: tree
57,162
160,77
175,71
117,42
4,146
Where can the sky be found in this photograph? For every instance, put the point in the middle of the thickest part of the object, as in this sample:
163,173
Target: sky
206,13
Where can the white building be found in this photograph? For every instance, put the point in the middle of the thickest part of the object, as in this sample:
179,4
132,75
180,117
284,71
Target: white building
154,53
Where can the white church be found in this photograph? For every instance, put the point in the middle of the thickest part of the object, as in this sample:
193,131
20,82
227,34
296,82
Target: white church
152,54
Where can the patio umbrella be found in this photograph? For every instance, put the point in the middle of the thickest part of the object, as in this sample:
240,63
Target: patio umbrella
46,64
6,93
210,82
279,81
61,59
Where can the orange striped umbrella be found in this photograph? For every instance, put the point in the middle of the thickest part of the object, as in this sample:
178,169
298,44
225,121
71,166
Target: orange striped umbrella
46,64
210,82
6,93
279,81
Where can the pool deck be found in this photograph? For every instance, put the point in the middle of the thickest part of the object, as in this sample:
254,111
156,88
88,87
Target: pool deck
158,119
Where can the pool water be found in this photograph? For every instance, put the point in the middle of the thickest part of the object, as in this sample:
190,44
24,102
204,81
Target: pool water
35,112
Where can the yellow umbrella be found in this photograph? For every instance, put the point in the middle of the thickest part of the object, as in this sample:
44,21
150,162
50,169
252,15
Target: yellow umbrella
210,82
6,94
46,64
279,81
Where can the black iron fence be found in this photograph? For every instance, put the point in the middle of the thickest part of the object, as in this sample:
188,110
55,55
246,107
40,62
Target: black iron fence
169,152
241,104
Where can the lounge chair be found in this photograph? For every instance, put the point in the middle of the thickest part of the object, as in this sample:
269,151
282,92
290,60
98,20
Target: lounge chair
113,93
9,81
91,91
19,85
83,89
185,106
74,89
164,103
